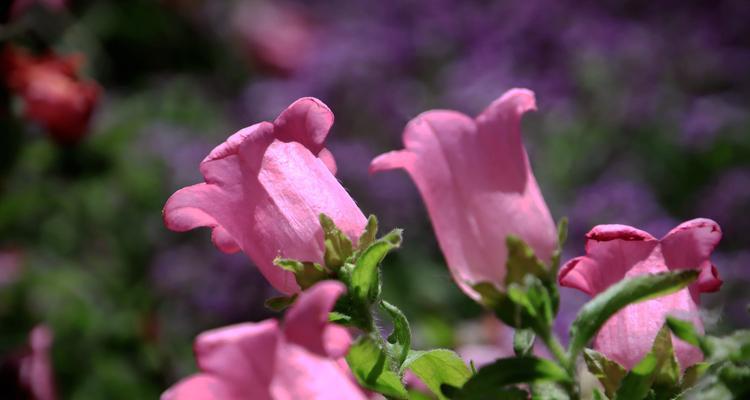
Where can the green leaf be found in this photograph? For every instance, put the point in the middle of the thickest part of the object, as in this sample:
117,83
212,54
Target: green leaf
637,383
684,330
511,371
692,374
608,372
305,273
523,341
497,393
400,338
598,395
365,278
280,303
339,318
628,291
370,233
369,364
338,247
438,367
547,391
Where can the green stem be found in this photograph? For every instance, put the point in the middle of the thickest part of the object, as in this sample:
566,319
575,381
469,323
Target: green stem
558,351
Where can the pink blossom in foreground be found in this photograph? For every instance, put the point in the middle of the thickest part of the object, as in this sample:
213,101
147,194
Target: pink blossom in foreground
615,252
474,175
264,190
299,359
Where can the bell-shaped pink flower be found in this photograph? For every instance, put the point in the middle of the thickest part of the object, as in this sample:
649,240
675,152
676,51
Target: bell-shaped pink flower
616,252
474,175
299,359
264,190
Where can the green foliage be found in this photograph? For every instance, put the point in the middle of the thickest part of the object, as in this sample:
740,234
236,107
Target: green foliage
523,342
370,365
608,372
400,338
436,368
338,247
365,277
280,303
305,273
509,371
628,291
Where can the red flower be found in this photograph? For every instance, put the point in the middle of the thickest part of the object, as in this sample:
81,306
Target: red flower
52,92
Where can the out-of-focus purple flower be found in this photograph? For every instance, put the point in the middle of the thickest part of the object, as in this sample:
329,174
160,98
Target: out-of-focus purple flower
726,201
179,149
617,202
704,120
219,287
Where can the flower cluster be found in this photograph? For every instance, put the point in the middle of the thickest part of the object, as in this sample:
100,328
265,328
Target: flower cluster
267,184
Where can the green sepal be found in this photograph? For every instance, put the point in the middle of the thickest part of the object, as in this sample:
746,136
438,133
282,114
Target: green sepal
522,306
522,261
370,233
369,365
280,303
685,331
692,374
400,339
436,368
668,374
523,342
637,383
339,318
609,373
365,277
338,246
628,291
305,273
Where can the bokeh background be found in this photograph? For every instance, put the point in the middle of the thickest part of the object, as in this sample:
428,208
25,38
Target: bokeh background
643,119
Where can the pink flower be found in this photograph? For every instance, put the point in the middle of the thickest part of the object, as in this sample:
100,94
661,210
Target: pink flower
615,252
299,359
279,35
474,175
36,369
265,188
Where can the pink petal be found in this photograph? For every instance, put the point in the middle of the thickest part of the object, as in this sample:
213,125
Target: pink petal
475,179
264,192
306,121
326,156
613,252
306,323
629,335
200,387
242,356
300,374
690,246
